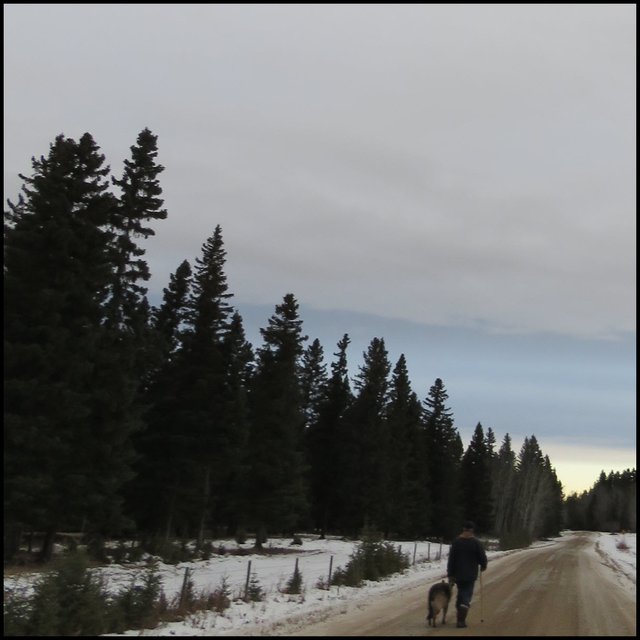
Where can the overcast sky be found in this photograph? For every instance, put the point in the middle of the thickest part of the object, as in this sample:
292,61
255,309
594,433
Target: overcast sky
462,174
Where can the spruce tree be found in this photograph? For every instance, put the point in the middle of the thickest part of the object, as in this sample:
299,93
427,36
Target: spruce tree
126,344
408,516
56,277
537,492
324,445
475,481
443,453
239,365
138,204
367,473
161,461
503,483
275,493
202,375
313,381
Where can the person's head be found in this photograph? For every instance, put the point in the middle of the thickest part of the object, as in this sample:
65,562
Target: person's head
468,525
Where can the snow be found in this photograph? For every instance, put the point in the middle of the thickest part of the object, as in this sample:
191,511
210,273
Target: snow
279,610
622,560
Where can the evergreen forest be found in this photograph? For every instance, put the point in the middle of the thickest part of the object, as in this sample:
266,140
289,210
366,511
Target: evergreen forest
127,419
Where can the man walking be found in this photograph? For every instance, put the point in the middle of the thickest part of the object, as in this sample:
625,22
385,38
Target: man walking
465,556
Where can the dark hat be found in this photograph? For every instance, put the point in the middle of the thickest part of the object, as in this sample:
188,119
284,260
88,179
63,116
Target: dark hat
467,524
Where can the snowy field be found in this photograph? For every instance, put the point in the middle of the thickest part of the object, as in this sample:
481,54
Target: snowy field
279,610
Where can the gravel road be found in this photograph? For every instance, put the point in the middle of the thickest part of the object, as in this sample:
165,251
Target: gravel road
564,589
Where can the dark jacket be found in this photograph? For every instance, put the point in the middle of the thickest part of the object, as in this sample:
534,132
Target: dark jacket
465,555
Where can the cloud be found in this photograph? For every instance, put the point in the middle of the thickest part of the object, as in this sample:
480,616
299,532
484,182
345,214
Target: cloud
466,165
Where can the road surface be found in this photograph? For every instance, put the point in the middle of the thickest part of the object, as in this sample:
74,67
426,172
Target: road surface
564,589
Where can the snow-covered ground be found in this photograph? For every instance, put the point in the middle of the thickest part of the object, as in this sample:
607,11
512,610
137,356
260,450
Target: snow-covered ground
279,610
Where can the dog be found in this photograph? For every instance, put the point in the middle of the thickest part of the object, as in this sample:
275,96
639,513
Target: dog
439,596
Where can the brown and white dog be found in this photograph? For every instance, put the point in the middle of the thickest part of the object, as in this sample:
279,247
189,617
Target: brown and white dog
439,596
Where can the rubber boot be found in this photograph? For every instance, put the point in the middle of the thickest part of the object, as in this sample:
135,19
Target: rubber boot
463,609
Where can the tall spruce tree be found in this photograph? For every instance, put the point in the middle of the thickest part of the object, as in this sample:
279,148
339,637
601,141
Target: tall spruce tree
139,203
276,496
366,475
239,365
503,487
443,453
56,276
407,469
162,456
313,381
126,344
475,482
202,372
324,446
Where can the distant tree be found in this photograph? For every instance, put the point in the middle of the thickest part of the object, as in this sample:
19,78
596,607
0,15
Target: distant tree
538,495
313,381
575,511
276,495
407,515
554,505
503,484
475,476
443,454
610,504
325,446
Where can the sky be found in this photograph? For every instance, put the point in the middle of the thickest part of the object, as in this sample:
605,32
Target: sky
279,614
456,179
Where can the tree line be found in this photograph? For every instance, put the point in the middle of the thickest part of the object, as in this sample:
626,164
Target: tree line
610,505
123,418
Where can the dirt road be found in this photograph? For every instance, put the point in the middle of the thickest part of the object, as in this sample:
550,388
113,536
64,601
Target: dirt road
563,589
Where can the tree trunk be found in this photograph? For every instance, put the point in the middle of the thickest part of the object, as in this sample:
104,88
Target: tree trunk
206,492
170,512
12,535
46,553
261,536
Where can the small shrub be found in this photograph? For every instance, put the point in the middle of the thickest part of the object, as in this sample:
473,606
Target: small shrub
68,601
372,560
138,606
17,609
622,545
221,598
255,592
294,584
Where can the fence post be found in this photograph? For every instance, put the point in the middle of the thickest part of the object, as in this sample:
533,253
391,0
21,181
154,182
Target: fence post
415,548
330,567
428,551
246,586
440,552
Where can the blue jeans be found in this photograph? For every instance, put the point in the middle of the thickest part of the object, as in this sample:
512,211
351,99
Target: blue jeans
465,593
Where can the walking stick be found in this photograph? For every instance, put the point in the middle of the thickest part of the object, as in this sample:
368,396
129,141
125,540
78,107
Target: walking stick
481,599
